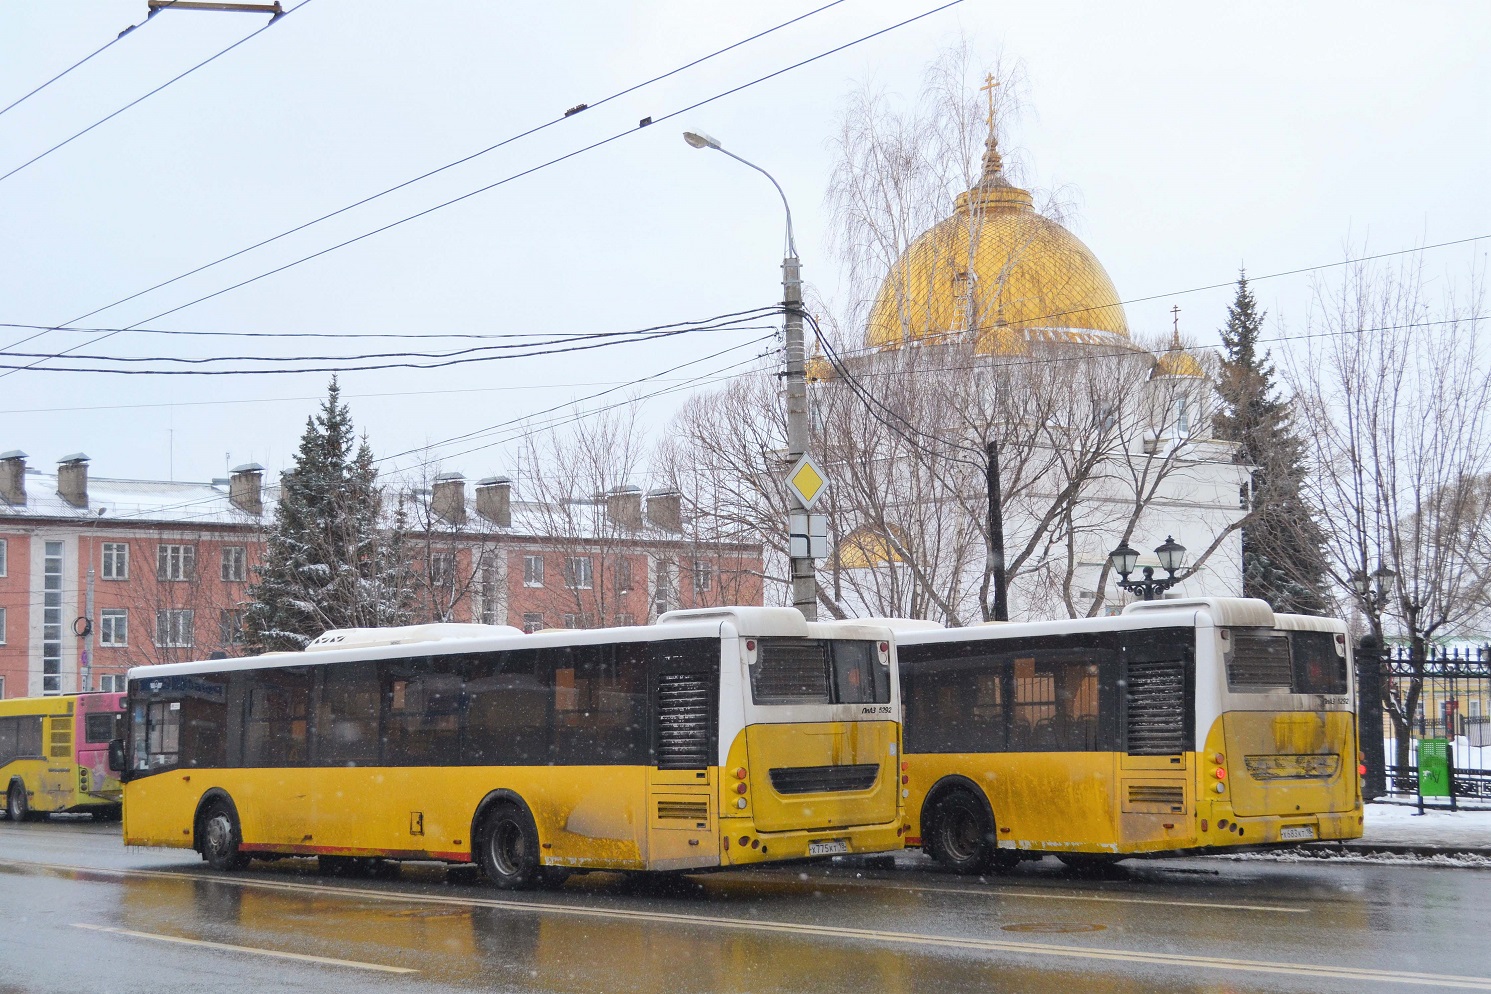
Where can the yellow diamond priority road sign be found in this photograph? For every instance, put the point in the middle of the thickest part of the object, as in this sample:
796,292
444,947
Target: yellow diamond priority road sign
806,481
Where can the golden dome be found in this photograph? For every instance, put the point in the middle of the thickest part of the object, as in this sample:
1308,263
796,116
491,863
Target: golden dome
1176,361
866,547
1000,272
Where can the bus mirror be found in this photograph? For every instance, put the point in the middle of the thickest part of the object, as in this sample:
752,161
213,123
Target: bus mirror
116,756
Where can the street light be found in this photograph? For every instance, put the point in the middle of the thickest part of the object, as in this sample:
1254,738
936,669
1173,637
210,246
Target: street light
804,575
1374,590
1170,553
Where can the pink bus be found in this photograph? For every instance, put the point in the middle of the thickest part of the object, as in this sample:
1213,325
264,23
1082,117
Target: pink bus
54,755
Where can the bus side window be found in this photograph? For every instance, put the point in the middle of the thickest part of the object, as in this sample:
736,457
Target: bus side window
422,703
347,716
508,710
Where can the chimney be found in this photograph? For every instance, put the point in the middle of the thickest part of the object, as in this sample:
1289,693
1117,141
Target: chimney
494,500
13,477
72,479
246,488
624,507
448,498
665,510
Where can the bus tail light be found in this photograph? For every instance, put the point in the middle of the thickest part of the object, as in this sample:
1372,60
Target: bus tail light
1219,773
740,773
740,788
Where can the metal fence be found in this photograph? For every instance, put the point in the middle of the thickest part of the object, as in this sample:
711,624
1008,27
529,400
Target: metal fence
1446,695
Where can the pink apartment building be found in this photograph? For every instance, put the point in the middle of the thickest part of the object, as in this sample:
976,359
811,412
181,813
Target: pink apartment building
166,566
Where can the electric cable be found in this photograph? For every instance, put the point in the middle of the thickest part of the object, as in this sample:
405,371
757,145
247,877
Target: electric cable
179,76
78,64
515,176
432,172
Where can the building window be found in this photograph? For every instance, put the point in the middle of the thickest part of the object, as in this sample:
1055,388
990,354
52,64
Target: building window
51,619
175,562
230,627
111,683
116,561
1475,702
491,595
173,628
533,621
113,627
579,621
623,575
623,619
703,577
235,563
2,688
2,626
1182,417
577,573
533,571
4,559
442,569
662,589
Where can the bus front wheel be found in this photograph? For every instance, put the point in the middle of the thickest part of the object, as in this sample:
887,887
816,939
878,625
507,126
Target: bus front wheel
220,837
507,848
962,834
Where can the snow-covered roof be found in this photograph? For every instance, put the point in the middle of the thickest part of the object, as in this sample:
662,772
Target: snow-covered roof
122,501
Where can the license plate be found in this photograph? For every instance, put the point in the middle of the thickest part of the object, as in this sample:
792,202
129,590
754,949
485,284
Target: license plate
828,847
1292,832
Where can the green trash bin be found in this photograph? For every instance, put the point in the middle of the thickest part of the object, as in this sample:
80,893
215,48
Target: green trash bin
1434,767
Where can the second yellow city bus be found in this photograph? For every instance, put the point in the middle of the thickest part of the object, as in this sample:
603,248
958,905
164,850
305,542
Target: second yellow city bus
716,737
1179,725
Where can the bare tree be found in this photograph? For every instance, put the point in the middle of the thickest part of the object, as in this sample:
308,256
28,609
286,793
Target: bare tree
1392,384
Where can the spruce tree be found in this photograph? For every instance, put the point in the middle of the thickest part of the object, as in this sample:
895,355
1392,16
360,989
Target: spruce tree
330,559
1283,545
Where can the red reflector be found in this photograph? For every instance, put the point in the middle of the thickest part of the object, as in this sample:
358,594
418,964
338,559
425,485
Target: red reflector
1203,824
1220,773
905,779
885,647
750,645
1361,770
727,842
740,788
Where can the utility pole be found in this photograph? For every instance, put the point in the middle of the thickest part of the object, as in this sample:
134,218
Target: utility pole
996,534
87,673
806,532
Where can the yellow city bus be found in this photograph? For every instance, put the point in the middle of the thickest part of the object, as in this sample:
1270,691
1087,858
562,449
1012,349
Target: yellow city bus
54,755
1176,726
716,737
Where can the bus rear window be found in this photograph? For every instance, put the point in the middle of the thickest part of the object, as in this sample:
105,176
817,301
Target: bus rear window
1319,667
819,671
1259,661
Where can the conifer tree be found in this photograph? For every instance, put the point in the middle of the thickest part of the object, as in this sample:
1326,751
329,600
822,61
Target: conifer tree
1283,546
330,559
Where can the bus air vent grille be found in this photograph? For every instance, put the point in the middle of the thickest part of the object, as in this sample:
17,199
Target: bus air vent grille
684,714
1173,798
1156,706
1259,662
695,811
822,779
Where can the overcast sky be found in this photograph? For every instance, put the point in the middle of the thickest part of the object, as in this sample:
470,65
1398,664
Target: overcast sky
1200,137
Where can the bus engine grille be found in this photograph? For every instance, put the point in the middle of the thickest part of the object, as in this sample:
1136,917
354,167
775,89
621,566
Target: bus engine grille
1156,705
685,713
822,779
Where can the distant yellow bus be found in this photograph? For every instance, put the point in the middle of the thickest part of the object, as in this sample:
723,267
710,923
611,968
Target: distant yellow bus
716,737
54,755
1177,726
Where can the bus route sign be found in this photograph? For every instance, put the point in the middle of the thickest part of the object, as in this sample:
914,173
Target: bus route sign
1434,767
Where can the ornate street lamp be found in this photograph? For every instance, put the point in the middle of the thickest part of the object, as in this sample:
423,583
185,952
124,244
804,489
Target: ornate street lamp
1170,553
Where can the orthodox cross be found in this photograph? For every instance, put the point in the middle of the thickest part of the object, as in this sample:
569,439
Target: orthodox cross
1175,312
989,85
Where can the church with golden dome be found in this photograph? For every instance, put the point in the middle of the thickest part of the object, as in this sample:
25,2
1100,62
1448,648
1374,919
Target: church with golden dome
997,330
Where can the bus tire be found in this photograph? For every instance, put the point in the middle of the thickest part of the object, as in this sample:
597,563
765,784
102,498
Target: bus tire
219,836
507,847
961,836
17,806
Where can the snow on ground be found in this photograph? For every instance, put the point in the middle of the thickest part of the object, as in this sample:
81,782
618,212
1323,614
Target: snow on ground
1399,824
1458,860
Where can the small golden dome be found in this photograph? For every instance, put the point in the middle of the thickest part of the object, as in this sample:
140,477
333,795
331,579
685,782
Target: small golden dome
999,272
866,548
1176,361
817,368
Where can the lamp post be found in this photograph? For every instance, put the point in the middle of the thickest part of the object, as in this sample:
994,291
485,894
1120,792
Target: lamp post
804,575
1170,553
1373,592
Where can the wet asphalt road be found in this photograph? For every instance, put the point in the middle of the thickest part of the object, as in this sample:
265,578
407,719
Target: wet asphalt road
79,912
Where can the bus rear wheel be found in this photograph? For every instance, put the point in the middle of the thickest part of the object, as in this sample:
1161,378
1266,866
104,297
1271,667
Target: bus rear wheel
219,837
962,834
507,848
16,804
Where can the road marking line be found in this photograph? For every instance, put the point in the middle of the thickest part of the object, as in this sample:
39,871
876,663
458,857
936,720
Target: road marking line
225,947
827,931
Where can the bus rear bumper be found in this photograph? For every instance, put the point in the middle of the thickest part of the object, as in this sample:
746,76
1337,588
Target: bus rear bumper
740,845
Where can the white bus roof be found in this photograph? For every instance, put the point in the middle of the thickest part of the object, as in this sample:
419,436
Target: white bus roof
353,644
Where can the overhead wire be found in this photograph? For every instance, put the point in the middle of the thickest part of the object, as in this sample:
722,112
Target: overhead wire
508,179
80,63
138,100
433,172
